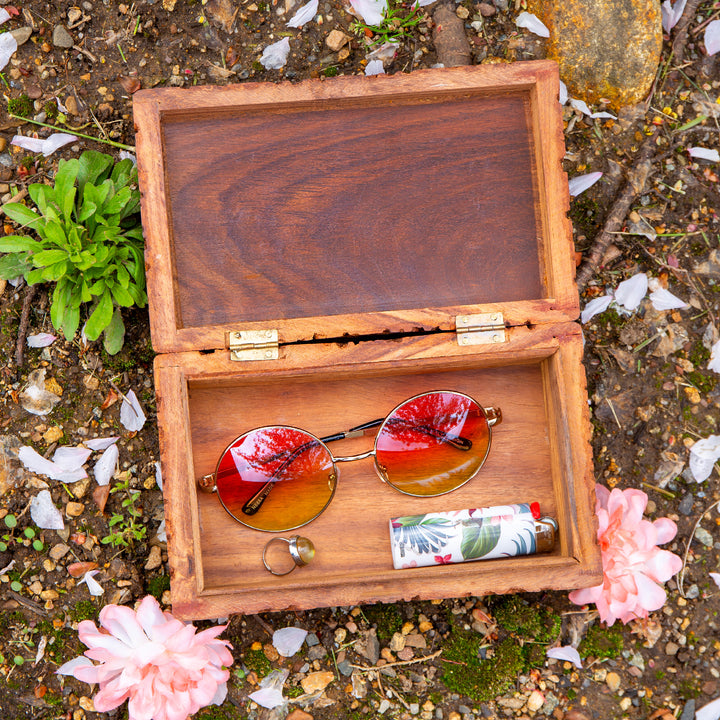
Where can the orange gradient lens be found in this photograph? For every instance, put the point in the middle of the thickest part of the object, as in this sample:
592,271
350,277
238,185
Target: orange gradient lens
275,478
432,444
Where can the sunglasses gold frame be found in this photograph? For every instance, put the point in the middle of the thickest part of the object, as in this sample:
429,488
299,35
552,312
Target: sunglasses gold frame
208,483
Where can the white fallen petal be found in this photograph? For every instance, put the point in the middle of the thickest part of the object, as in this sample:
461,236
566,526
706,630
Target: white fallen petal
371,11
671,14
532,23
275,56
703,456
375,67
663,299
105,467
711,711
131,414
125,155
71,459
715,578
564,96
270,693
581,183
4,15
161,531
289,640
47,146
158,475
304,14
70,666
714,363
712,37
101,443
582,106
36,463
630,292
566,652
595,307
95,588
267,697
385,52
8,47
424,3
44,513
40,340
704,153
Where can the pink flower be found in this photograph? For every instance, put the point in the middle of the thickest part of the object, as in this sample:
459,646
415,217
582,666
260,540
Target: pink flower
633,565
163,667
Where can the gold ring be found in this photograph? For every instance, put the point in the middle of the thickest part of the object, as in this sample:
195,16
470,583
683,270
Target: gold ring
302,551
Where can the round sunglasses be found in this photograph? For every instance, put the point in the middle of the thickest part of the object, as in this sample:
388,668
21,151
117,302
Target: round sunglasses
279,478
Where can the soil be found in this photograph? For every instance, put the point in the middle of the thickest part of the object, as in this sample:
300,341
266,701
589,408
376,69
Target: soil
651,393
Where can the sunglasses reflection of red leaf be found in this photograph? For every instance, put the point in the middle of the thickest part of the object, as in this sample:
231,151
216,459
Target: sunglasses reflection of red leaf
291,454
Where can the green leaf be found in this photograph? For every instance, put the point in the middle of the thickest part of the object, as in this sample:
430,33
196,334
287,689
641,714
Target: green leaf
114,334
98,288
23,215
34,276
42,195
93,167
10,521
65,186
52,273
15,265
71,322
18,243
54,233
48,257
60,303
100,317
117,202
121,296
87,210
479,538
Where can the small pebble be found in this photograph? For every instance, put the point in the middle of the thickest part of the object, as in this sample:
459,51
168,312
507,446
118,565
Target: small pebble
704,537
74,509
612,680
671,648
61,37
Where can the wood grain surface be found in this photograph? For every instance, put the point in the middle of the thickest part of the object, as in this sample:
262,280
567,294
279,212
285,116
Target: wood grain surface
539,452
307,205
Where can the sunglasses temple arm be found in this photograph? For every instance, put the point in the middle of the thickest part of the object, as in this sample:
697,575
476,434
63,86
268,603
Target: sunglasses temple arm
256,501
357,431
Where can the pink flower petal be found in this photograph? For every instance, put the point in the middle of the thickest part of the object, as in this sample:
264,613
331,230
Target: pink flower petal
45,146
44,513
131,413
304,14
705,153
712,37
566,652
8,47
711,711
289,640
716,578
630,292
101,443
275,56
581,183
671,14
371,11
104,468
71,665
40,340
595,307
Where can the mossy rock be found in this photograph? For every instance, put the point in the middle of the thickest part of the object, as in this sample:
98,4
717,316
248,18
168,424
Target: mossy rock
527,621
605,49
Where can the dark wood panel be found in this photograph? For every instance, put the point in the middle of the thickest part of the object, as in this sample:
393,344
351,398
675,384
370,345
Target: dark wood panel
385,205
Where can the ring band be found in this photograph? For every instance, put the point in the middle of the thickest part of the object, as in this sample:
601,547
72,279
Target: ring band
302,551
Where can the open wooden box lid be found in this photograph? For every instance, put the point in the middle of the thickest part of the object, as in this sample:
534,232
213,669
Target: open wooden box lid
355,206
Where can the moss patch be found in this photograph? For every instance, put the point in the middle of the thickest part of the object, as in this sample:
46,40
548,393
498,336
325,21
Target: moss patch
256,661
481,680
601,642
529,622
386,618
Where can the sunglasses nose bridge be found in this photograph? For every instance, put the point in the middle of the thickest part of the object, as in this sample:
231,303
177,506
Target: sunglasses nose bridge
359,456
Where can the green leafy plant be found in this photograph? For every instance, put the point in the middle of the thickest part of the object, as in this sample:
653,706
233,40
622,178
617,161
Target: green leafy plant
89,244
394,27
29,534
125,529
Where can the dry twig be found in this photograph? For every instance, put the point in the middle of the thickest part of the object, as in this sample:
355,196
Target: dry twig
634,186
681,576
365,668
30,293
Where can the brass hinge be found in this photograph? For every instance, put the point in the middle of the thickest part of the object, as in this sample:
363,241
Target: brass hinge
480,329
253,345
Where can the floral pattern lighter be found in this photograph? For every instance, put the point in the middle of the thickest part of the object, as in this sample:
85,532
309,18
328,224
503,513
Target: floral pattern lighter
484,533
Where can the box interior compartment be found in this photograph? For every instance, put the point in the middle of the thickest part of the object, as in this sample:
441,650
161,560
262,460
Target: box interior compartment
351,535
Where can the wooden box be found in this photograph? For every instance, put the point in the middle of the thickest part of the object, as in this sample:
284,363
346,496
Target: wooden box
364,223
